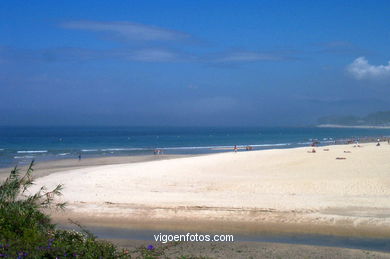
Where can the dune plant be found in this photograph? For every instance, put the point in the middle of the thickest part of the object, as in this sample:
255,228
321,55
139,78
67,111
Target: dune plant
27,232
20,213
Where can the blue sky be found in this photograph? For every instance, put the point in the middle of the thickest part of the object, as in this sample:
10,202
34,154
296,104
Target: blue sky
192,63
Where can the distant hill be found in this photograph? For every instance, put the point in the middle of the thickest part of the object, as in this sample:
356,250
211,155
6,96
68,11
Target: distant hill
373,119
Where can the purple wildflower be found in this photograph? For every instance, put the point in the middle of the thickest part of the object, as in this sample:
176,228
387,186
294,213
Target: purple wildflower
150,247
22,254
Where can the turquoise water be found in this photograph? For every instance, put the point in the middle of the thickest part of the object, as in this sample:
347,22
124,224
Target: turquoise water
19,145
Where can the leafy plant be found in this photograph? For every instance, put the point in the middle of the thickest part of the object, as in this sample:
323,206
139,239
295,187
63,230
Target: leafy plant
27,232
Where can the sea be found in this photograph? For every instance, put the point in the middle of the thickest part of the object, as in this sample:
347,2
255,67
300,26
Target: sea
20,145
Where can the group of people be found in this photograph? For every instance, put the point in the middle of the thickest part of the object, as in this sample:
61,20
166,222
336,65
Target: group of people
157,151
247,148
378,144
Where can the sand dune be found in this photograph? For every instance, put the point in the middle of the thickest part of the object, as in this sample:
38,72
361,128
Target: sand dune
259,188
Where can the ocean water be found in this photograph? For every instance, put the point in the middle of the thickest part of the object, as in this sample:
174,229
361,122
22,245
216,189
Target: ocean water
19,145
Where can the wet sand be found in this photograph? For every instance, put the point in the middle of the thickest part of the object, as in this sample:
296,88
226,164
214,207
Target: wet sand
249,250
48,167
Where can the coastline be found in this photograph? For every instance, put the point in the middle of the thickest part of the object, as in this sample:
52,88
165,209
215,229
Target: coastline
250,249
277,191
129,143
46,168
351,126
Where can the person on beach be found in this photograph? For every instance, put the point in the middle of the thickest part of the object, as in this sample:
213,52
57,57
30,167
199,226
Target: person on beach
357,143
79,156
248,148
235,148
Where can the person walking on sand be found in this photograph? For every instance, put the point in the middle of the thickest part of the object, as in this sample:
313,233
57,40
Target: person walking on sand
235,148
356,143
79,156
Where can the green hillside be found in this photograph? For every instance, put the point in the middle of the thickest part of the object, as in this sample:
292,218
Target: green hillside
381,118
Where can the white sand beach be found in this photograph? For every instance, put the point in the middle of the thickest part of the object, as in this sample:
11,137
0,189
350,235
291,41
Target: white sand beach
271,190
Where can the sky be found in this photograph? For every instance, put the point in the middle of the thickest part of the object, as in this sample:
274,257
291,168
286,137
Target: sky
191,63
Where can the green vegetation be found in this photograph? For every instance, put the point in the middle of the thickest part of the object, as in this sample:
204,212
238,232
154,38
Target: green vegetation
27,232
372,119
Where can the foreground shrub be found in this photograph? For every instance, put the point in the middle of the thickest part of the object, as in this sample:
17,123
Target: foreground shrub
25,231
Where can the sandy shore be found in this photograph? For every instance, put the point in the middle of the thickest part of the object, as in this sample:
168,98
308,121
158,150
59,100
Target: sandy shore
48,167
249,250
284,190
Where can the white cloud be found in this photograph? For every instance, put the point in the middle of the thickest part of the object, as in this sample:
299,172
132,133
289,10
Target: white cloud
154,55
128,30
85,55
361,69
